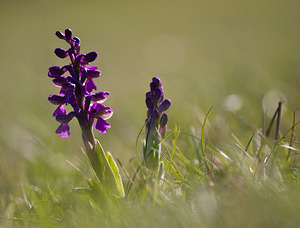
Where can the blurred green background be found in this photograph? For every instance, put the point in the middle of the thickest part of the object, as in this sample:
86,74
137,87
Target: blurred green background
203,51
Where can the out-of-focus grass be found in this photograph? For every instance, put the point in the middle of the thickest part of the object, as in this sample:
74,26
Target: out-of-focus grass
202,51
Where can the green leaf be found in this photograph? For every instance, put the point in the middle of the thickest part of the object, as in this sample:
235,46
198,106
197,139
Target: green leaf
112,178
112,163
83,192
116,174
101,158
120,186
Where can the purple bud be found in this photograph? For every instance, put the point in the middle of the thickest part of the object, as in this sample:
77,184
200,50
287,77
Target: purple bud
156,82
163,120
164,105
90,57
77,44
148,94
152,87
60,35
76,40
157,95
100,97
56,100
149,102
61,53
68,33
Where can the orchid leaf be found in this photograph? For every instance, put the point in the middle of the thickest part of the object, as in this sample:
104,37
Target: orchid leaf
115,171
112,177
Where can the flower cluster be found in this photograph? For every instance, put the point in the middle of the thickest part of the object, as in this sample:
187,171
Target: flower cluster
156,105
76,90
156,122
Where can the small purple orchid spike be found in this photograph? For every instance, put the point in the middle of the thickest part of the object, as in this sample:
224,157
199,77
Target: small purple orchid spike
156,104
156,122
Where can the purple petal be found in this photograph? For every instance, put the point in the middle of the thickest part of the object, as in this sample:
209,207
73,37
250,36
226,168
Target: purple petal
102,126
63,130
90,85
93,73
90,67
104,113
64,119
70,97
96,107
58,81
60,110
68,86
107,114
63,92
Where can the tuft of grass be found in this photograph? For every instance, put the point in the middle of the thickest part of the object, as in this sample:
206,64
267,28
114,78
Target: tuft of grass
245,186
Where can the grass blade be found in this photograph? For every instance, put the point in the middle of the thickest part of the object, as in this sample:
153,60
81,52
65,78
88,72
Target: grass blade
202,139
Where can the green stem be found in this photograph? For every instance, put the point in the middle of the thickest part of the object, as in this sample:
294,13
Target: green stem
89,144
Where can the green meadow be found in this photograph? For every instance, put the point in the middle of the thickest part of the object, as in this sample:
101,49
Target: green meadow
236,165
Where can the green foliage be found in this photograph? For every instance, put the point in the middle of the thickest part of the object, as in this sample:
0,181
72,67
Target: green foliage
107,180
254,184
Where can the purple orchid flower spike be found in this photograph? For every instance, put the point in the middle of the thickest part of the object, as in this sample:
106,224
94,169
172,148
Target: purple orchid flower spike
156,122
77,90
